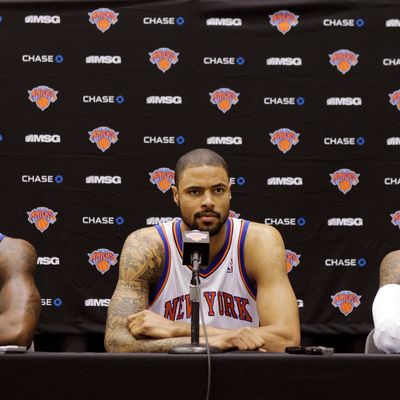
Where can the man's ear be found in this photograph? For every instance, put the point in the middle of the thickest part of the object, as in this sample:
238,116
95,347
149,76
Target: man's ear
175,194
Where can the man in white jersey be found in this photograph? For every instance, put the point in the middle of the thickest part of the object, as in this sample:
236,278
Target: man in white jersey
246,297
386,306
19,297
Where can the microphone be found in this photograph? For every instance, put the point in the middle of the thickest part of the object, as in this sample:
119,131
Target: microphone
196,247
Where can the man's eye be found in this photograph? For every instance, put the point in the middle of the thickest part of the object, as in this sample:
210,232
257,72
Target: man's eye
219,190
194,192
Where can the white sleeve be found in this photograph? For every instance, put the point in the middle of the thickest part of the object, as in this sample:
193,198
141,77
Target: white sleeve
386,314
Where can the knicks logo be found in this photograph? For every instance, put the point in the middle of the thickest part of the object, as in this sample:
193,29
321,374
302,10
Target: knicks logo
343,60
283,20
164,178
344,179
224,98
346,301
292,260
103,137
43,96
396,218
103,259
164,58
42,217
284,138
103,18
395,99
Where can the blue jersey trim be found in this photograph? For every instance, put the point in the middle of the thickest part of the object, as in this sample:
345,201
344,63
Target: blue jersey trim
248,281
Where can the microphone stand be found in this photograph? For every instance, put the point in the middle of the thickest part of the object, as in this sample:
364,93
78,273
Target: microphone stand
194,347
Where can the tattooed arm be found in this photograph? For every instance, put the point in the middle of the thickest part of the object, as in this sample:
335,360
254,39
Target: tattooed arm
141,264
19,297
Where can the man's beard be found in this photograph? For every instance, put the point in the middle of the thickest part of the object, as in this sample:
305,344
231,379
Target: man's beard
211,229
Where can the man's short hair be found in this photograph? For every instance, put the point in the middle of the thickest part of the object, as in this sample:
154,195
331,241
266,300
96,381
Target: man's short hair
198,158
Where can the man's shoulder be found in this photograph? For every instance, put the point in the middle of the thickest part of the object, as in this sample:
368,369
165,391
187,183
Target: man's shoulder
17,255
262,232
149,232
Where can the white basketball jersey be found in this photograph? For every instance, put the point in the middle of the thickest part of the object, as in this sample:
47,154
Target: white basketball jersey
228,296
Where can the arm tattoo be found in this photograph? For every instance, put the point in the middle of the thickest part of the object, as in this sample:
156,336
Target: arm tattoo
390,269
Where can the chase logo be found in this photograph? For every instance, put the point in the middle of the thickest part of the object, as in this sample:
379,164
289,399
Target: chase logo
102,220
292,260
388,181
103,18
224,99
395,218
102,259
164,21
103,60
344,101
42,179
158,220
42,138
103,137
103,99
164,58
224,22
42,96
346,301
284,21
345,222
225,140
42,217
346,262
223,61
392,23
284,139
343,23
164,178
42,19
163,140
42,58
239,180
344,179
48,261
97,302
285,181
285,221
344,141
395,99
391,62
103,180
284,101
343,60
56,302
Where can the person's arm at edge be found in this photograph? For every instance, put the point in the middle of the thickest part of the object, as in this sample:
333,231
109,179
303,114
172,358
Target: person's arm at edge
141,261
276,302
20,302
386,305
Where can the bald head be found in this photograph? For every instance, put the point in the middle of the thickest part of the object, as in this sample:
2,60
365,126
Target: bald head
199,158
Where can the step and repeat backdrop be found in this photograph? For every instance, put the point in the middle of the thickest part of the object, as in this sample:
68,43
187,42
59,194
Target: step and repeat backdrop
99,99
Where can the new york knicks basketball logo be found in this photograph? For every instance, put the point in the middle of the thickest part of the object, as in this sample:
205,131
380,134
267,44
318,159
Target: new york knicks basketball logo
395,98
343,60
284,21
346,301
292,260
284,139
103,18
224,98
42,217
344,179
102,259
164,58
43,96
164,178
103,137
396,218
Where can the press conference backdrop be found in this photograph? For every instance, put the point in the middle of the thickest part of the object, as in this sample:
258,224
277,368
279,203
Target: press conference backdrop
99,99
